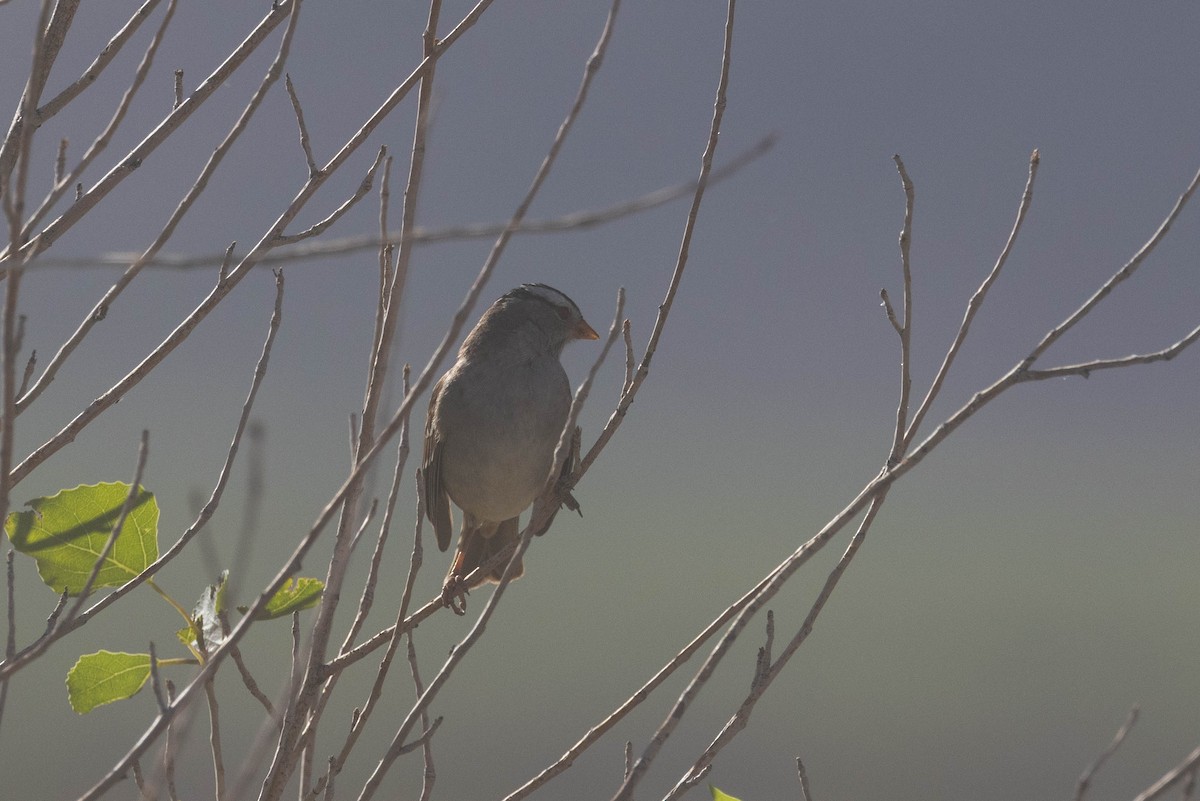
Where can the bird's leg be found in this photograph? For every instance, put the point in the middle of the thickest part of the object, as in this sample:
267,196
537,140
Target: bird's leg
455,588
563,487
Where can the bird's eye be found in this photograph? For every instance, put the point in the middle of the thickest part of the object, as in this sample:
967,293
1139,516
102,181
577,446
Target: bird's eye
563,312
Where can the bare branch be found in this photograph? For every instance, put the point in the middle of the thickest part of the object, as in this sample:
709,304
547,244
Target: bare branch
30,366
247,677
169,748
140,781
1184,770
579,220
184,329
1119,277
898,441
976,301
305,141
643,692
279,12
762,665
802,775
742,716
215,740
664,310
156,682
102,60
52,27
1085,369
60,160
429,775
886,302
10,639
100,143
318,228
1085,779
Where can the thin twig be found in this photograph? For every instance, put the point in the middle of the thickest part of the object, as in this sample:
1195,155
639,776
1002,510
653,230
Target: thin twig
98,312
368,594
1118,277
100,143
886,302
140,780
898,440
319,228
126,166
664,309
105,57
429,774
10,640
169,748
630,359
366,522
60,160
214,718
802,775
762,664
976,301
1189,785
1185,769
1085,780
742,716
1085,369
156,682
15,154
247,677
574,221
30,366
305,141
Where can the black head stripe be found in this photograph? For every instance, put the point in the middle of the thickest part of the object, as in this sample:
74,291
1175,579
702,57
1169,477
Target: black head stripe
531,292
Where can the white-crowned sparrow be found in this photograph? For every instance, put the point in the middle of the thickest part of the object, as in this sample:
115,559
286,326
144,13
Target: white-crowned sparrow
494,421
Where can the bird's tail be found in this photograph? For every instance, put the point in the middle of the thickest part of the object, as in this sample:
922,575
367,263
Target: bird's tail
477,546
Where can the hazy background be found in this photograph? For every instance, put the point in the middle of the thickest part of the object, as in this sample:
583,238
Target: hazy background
1021,589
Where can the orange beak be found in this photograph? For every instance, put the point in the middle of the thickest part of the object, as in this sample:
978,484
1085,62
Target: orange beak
585,331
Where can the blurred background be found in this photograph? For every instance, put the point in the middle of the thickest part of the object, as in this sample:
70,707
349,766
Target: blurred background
1022,588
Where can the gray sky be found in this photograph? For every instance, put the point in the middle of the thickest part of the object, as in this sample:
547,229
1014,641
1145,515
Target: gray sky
1022,588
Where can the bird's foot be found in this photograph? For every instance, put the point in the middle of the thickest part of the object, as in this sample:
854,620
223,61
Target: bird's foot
454,594
565,498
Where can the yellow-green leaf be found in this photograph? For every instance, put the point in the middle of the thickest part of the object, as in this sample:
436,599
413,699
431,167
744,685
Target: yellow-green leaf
720,796
296,594
104,677
66,532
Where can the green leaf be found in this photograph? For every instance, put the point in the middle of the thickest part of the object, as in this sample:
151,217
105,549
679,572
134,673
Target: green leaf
206,615
104,677
297,594
720,796
66,532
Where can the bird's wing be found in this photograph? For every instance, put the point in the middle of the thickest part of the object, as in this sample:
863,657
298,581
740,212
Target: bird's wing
437,500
